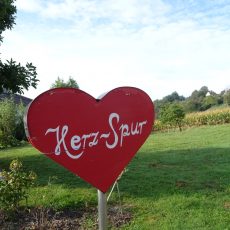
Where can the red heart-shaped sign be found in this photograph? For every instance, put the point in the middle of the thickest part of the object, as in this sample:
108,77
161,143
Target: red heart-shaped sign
94,139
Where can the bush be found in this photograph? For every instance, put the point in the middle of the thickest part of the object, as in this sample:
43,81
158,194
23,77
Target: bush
227,97
11,123
19,128
14,186
7,123
172,115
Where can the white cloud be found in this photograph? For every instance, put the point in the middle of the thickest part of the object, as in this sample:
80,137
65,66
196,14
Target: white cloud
110,43
29,5
88,14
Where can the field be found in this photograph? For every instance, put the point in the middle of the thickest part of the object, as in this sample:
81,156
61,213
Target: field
177,180
215,116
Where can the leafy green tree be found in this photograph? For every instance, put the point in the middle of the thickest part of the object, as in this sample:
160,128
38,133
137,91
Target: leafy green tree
191,105
196,100
7,15
13,76
172,114
227,97
8,113
71,83
11,123
20,133
218,97
208,102
173,97
203,91
157,105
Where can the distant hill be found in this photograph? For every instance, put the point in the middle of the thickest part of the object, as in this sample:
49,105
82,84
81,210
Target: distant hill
200,100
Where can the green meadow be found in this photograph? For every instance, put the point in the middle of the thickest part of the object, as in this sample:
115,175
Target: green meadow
177,180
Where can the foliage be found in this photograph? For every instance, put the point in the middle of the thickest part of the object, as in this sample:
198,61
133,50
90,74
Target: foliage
173,97
172,114
159,126
71,83
20,133
203,91
203,99
227,97
7,123
11,123
209,117
14,185
199,100
208,102
194,102
13,76
7,15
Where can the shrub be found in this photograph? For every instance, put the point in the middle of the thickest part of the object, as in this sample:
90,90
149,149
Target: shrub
7,122
14,185
19,128
172,115
11,123
227,97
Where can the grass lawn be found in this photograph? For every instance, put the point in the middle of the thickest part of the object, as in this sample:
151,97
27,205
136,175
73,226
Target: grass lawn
177,180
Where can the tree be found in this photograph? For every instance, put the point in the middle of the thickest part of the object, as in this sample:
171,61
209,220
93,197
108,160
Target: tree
208,102
14,77
71,83
7,15
8,111
172,114
11,123
195,101
173,97
227,97
203,91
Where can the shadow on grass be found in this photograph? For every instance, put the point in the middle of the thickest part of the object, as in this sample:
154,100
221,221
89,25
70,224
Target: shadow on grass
150,174
157,173
48,172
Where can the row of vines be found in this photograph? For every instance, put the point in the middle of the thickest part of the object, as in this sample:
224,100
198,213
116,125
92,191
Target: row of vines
212,117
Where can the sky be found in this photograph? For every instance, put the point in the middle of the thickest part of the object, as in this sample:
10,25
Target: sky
159,46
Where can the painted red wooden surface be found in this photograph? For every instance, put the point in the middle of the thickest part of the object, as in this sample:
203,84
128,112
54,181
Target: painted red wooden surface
94,139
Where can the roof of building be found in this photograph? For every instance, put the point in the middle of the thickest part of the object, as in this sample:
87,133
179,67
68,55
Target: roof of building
16,97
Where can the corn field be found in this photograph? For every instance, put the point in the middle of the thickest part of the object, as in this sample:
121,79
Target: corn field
210,117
